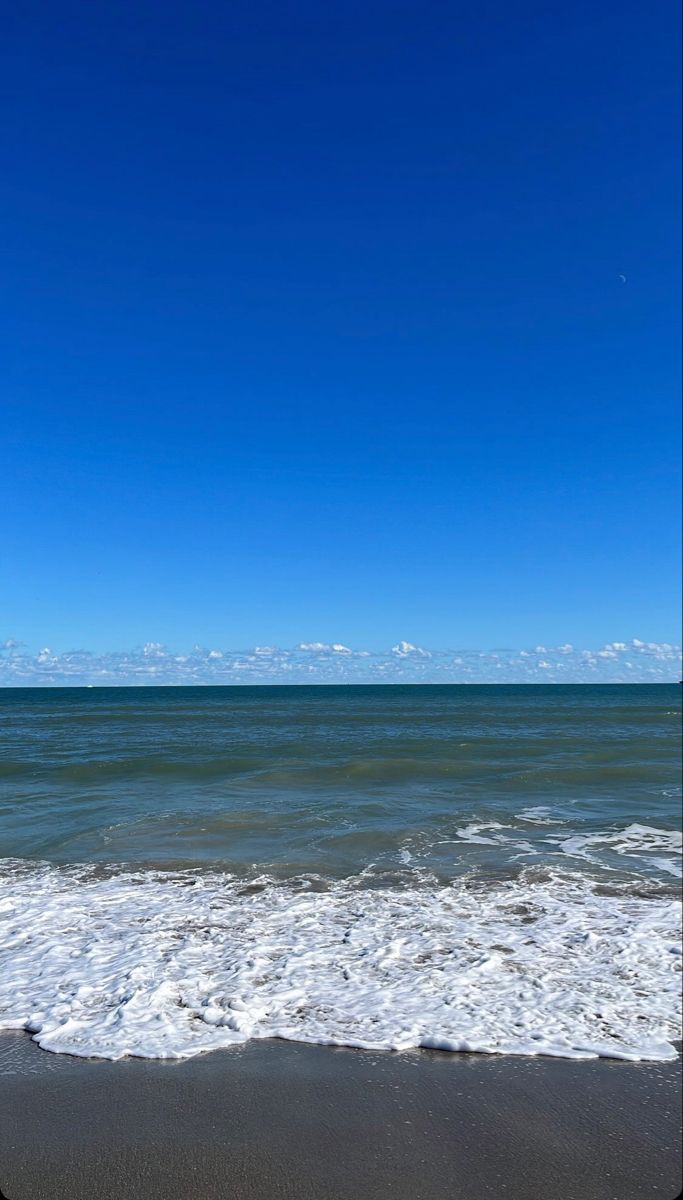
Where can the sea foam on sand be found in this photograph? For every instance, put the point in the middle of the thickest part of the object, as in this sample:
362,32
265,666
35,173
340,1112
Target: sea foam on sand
170,965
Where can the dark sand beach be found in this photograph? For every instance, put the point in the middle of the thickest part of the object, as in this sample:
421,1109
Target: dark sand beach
274,1120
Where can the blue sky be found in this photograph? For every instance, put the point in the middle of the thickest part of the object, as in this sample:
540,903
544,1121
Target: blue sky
315,327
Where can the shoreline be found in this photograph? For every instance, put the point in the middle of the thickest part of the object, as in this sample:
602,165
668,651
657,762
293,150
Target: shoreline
269,1120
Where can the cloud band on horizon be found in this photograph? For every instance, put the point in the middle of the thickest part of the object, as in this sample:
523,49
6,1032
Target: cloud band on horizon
635,661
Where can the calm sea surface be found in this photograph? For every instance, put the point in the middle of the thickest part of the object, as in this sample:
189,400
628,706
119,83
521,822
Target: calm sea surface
385,866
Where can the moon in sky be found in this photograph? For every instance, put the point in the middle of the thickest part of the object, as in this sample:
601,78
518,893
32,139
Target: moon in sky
622,278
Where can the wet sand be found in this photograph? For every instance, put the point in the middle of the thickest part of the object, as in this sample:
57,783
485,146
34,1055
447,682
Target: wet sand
284,1121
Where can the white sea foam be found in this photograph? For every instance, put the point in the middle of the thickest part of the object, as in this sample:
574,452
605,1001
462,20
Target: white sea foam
476,833
171,965
646,843
539,815
636,841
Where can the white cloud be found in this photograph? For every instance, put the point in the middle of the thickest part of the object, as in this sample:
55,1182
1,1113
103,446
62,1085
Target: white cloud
321,662
329,648
403,649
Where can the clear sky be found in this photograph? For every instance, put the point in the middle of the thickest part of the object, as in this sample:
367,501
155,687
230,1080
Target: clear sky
339,323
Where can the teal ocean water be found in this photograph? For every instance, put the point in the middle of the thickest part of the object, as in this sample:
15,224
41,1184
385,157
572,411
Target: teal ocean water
471,867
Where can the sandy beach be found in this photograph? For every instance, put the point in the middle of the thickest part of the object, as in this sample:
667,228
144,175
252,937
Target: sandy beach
271,1120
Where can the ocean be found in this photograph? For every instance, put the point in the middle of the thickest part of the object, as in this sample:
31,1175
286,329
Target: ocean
464,868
